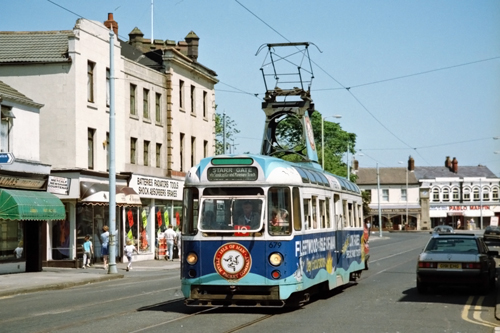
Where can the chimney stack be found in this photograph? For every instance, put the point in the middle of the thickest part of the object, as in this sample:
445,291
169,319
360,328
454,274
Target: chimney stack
411,164
447,163
455,165
111,24
192,41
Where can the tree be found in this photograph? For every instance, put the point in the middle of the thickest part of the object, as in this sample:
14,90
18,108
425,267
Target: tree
231,131
336,142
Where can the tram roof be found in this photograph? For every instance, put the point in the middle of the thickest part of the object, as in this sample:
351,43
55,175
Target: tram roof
310,173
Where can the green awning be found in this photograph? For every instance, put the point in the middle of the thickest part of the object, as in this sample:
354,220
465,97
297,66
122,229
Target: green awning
23,205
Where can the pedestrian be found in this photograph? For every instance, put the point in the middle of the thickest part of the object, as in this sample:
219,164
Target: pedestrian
105,245
129,251
87,251
170,236
19,250
178,239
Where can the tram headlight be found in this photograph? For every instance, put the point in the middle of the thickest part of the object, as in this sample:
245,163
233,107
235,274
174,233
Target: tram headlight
275,259
192,258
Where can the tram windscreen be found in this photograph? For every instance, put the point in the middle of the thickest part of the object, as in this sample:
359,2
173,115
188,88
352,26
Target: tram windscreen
234,214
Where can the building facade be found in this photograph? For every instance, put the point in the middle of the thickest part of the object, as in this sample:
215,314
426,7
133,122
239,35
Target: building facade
25,205
164,124
465,197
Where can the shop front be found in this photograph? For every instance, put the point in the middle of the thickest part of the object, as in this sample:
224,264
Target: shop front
161,206
395,217
23,215
86,197
468,217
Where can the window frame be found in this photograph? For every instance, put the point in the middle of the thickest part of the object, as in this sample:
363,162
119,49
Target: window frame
90,81
133,99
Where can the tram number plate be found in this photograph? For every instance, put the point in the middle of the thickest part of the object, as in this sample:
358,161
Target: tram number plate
449,266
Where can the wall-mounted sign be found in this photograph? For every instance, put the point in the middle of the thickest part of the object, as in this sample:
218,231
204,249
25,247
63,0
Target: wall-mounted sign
7,158
18,182
58,185
215,174
157,188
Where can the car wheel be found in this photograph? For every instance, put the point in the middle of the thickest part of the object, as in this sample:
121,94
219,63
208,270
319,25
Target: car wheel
421,287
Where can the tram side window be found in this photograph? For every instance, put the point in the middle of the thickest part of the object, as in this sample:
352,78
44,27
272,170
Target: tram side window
297,219
345,213
350,214
190,211
327,213
314,212
279,211
307,215
322,214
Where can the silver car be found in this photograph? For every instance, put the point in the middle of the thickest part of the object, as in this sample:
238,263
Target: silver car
456,259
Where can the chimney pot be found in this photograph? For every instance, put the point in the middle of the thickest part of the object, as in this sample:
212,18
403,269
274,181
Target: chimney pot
111,23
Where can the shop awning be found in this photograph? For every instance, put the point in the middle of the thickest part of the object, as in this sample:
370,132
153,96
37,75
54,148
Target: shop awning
98,194
22,205
437,213
477,213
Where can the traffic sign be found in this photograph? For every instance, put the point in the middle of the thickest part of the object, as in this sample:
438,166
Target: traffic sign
7,158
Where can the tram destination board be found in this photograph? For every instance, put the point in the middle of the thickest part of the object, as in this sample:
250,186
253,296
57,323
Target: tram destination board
215,174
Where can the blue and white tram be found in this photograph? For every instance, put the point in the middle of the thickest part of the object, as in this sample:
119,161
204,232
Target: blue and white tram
304,235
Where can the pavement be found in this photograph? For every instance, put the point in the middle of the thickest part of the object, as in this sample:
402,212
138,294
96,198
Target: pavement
52,278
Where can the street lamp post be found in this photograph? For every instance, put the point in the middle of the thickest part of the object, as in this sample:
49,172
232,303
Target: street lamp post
406,192
323,138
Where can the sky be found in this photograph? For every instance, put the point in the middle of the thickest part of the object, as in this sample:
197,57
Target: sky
416,78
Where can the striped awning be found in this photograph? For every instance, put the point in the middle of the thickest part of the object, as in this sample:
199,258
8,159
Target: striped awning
23,205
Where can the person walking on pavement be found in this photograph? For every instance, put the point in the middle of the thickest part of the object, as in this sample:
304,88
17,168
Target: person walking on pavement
104,245
129,251
87,251
170,236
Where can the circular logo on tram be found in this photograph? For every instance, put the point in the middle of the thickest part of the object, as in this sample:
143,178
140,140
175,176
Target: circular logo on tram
232,261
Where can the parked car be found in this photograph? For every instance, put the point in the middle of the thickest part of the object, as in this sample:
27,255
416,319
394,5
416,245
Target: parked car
492,236
492,231
442,229
456,259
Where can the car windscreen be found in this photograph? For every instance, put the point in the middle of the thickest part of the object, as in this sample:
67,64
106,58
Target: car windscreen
452,245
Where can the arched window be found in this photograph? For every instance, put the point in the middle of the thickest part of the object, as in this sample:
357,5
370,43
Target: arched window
495,194
476,194
446,194
456,194
486,194
466,194
435,195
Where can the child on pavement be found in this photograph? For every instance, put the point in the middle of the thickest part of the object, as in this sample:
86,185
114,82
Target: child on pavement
129,251
87,251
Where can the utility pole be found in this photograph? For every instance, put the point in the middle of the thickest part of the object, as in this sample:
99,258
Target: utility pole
112,173
379,209
224,133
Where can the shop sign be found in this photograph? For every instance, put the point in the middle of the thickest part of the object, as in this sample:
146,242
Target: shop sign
58,185
157,188
17,182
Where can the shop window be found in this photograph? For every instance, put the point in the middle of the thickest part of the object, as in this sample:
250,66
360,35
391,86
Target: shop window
89,221
61,238
11,240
